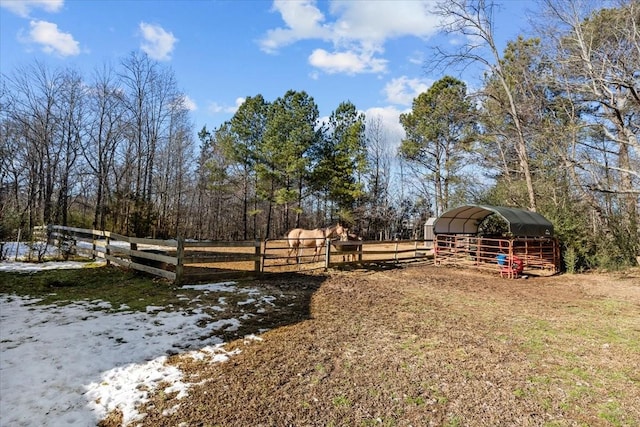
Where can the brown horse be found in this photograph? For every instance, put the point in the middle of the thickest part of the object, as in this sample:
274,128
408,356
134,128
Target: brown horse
350,243
300,238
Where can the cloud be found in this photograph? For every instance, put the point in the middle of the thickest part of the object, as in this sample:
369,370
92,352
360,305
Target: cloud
303,21
215,108
390,119
384,19
188,103
23,7
357,33
157,42
402,90
346,62
417,58
51,39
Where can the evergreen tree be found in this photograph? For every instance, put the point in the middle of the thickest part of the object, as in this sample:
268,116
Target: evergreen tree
283,157
440,132
248,124
341,159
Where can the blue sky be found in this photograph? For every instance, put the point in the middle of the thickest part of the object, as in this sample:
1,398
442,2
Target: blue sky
371,53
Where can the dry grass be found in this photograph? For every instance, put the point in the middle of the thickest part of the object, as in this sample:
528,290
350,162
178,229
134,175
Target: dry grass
421,346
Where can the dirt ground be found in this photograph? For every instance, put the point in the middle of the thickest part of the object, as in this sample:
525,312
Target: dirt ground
420,345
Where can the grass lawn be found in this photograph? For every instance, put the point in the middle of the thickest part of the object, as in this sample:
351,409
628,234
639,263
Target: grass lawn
417,345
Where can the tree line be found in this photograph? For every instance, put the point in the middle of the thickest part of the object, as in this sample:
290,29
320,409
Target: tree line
553,128
555,124
119,152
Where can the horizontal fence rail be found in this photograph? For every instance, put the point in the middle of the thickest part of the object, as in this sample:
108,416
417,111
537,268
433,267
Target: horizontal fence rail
181,260
278,254
374,251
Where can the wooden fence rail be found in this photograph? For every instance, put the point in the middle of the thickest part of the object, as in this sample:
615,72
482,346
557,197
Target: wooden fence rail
181,260
276,254
373,252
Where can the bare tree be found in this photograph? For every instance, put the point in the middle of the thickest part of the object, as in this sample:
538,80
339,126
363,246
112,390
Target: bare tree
596,57
150,92
11,171
105,133
175,160
380,157
35,90
379,154
71,118
473,19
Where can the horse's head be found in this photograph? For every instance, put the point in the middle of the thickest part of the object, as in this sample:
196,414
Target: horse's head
341,231
344,236
336,231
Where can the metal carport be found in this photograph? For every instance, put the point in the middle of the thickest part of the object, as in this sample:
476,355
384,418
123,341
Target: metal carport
466,219
529,241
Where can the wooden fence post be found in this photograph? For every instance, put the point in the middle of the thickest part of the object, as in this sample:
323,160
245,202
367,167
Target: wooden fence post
257,264
180,261
107,249
396,250
94,245
327,258
264,255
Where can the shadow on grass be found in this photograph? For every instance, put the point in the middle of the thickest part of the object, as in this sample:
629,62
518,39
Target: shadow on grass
241,307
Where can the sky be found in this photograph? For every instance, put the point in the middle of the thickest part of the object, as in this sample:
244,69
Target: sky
371,53
71,365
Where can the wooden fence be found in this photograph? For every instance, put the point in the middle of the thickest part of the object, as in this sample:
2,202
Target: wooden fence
175,259
181,261
276,255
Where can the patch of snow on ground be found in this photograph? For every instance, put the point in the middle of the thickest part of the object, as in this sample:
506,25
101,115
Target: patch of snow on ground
27,251
71,365
213,287
29,267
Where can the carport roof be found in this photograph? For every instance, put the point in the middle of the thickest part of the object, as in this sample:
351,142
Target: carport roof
466,219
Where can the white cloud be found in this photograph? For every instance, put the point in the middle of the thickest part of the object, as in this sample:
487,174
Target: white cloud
23,7
188,103
157,43
303,21
346,62
390,118
51,39
417,58
357,33
384,19
215,108
239,102
403,90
